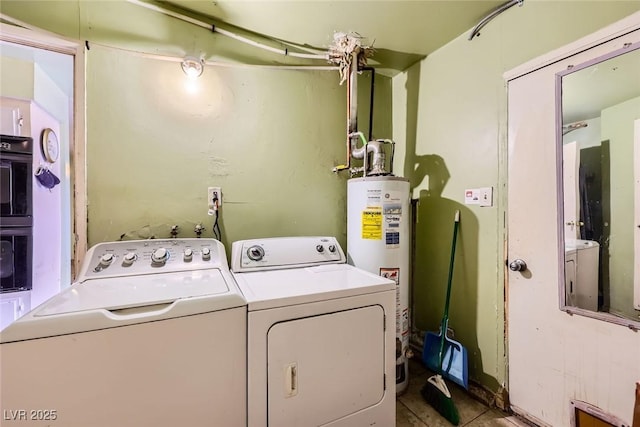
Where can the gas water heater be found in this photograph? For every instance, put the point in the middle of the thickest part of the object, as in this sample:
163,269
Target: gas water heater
378,240
378,214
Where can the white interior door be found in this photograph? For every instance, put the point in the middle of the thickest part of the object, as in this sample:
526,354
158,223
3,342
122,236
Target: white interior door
554,357
570,165
533,238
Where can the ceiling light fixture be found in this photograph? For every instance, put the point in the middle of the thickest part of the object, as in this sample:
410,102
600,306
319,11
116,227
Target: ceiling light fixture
193,67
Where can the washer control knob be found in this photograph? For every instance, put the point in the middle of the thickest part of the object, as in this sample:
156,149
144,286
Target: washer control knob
332,248
320,248
255,253
106,259
160,256
129,258
206,254
187,254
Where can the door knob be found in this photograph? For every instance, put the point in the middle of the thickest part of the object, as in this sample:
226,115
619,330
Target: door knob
517,265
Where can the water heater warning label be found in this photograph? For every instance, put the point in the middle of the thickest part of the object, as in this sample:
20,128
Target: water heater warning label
372,224
392,213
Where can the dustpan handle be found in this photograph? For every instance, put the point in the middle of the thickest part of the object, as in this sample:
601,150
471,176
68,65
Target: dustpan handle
445,317
451,261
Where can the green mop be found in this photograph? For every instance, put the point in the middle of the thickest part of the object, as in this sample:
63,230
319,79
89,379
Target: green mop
435,391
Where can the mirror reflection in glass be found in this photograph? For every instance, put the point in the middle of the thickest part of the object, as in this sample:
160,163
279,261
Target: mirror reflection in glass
601,186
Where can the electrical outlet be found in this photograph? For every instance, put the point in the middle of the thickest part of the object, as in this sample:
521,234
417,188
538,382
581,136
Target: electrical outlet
214,193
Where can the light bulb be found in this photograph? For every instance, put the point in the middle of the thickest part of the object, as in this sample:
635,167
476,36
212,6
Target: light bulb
192,67
192,86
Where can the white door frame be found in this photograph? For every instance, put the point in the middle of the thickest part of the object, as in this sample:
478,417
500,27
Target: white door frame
636,225
24,34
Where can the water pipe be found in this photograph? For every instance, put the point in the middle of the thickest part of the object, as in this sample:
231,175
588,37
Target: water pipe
227,33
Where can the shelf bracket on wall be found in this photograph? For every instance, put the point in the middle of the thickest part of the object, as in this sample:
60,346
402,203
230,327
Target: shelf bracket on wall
489,17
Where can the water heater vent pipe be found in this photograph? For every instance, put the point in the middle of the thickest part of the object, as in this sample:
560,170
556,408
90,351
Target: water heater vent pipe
348,52
378,156
374,147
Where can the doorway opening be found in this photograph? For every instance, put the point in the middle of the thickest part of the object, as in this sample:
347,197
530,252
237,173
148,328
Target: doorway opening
42,88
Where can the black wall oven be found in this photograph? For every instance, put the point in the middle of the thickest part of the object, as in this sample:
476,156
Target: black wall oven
16,158
16,213
16,248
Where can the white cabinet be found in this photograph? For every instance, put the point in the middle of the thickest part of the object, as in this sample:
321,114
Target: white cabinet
13,305
10,120
15,116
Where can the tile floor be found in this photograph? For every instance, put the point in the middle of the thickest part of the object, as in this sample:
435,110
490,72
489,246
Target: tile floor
413,411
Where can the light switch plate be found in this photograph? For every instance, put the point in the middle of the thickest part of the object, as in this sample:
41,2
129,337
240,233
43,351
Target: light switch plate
486,196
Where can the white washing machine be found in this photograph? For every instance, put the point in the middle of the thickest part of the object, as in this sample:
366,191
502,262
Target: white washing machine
582,263
152,334
320,344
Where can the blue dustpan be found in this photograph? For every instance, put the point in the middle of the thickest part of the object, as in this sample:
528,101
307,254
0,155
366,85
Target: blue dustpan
440,353
454,358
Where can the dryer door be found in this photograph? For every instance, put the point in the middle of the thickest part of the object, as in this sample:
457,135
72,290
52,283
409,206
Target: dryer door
326,367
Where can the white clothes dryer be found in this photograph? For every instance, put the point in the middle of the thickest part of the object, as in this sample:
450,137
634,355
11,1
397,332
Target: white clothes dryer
321,348
153,333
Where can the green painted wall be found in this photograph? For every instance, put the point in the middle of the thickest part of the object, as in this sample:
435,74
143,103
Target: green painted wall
269,138
17,83
617,128
449,120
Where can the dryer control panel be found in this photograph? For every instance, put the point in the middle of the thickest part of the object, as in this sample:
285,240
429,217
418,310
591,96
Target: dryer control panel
135,257
285,252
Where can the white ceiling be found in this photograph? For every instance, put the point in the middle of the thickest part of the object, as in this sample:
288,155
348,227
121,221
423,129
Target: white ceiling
400,39
391,26
404,42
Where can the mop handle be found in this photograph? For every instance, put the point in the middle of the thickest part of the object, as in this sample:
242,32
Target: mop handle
445,317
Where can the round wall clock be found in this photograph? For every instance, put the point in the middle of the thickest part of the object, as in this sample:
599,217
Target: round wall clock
50,146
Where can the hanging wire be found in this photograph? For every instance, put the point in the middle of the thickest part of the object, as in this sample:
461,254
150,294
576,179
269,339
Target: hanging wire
216,226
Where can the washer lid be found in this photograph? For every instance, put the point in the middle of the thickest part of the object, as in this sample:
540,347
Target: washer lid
117,293
280,288
119,301
571,245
